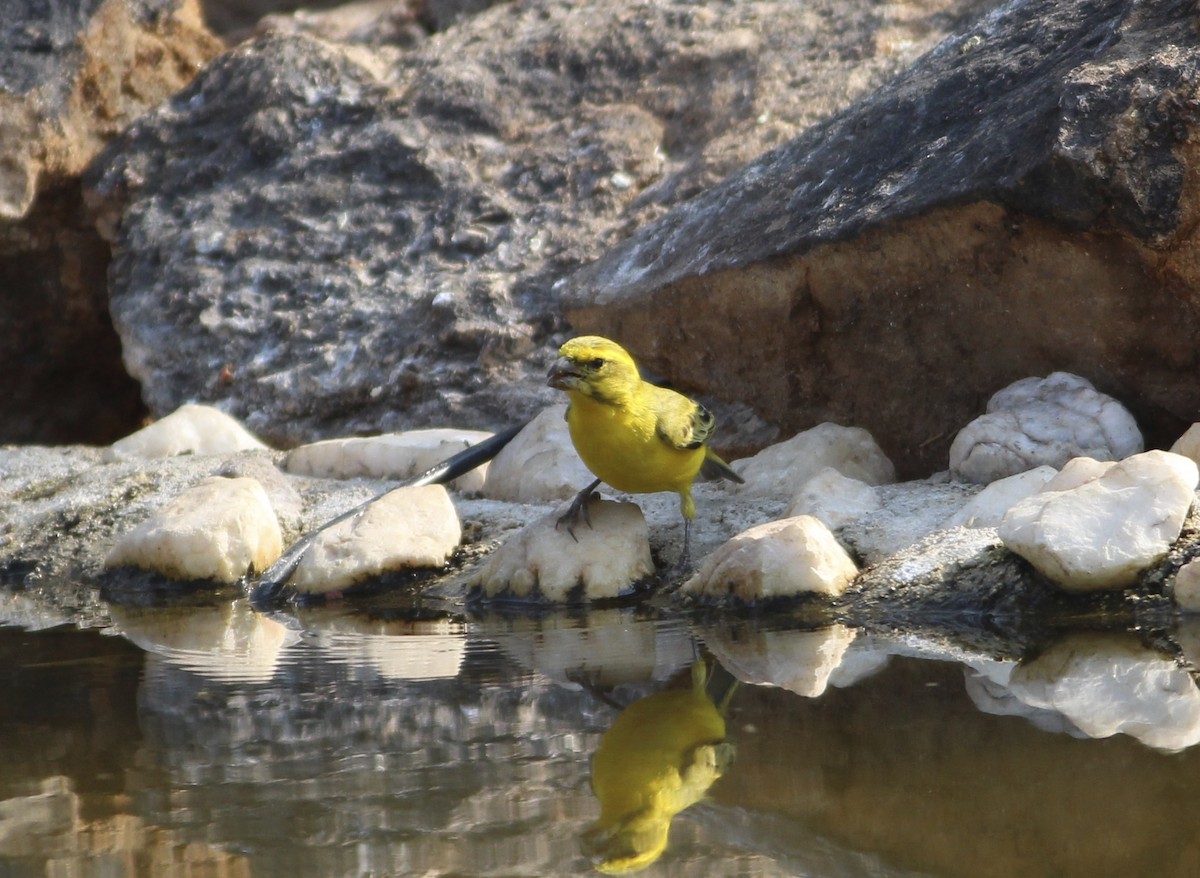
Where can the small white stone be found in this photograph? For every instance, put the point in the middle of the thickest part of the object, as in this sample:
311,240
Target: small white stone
1187,587
782,558
404,529
988,507
799,661
190,429
1096,526
390,456
228,642
834,498
1043,421
606,559
1107,685
1189,443
783,468
539,465
217,530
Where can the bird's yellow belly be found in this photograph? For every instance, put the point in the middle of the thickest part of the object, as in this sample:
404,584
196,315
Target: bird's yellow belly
627,453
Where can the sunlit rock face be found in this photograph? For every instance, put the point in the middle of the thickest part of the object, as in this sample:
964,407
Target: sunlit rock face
783,468
603,560
190,429
1187,587
833,498
799,661
404,529
1097,525
778,559
540,463
987,508
218,530
1189,443
391,456
1043,422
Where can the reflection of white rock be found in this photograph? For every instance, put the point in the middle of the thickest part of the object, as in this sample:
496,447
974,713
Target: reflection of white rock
987,685
988,507
799,661
783,558
539,465
833,498
783,468
1042,421
404,529
607,648
603,560
391,456
218,530
190,429
863,658
1107,685
396,649
226,642
1098,525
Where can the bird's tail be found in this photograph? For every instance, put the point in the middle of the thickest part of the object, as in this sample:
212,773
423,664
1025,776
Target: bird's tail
714,468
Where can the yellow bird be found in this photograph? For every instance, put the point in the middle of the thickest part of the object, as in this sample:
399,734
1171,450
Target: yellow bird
658,758
633,435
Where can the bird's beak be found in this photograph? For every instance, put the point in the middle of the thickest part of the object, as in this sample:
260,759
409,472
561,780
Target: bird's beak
563,374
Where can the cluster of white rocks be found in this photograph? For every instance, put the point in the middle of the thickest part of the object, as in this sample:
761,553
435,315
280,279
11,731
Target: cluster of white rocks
1065,484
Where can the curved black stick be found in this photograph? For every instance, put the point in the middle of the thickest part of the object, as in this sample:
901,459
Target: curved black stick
266,592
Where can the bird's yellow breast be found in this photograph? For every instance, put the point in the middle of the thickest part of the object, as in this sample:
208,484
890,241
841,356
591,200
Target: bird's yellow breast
621,446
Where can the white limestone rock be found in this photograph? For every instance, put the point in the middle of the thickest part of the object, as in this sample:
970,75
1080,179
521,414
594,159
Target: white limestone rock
1187,587
784,558
1096,526
190,429
783,468
217,530
539,465
1043,421
834,498
390,456
605,560
1108,685
229,642
1189,443
987,508
404,529
799,661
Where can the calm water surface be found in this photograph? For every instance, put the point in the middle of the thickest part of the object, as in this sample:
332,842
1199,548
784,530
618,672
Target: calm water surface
337,741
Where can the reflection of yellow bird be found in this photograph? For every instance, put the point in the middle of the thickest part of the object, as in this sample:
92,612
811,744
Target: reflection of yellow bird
658,758
633,435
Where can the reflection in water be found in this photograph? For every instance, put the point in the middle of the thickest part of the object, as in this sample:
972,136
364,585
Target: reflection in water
338,742
659,757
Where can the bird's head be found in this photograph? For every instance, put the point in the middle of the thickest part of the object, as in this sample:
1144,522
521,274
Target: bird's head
595,367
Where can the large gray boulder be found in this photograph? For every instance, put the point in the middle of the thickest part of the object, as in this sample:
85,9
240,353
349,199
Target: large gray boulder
1019,201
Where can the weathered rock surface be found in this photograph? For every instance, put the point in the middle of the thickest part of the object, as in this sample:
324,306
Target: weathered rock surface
332,241
783,468
404,529
988,507
1020,201
779,559
1097,526
1042,422
190,429
605,559
72,75
834,498
540,464
391,456
220,530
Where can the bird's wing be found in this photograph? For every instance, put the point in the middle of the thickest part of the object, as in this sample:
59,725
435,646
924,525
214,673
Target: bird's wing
679,421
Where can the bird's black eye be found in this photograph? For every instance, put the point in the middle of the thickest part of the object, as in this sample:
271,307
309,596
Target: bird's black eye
596,363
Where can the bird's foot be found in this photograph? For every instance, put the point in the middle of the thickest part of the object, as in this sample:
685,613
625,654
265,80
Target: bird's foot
578,509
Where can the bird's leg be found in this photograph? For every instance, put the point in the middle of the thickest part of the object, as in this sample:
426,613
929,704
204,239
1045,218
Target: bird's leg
578,507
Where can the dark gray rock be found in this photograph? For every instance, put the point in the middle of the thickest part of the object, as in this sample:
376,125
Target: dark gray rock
1018,202
327,240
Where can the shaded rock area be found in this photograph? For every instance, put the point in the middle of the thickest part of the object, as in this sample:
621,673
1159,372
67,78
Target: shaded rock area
1019,201
328,241
72,75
